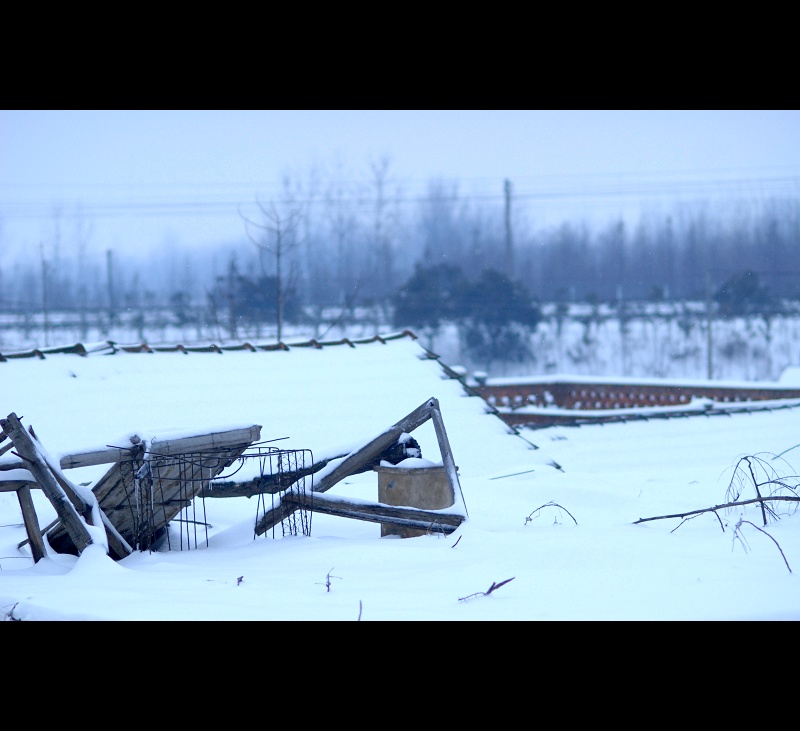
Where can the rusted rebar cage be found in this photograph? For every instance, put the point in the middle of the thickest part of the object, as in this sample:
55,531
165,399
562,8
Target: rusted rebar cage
280,470
164,490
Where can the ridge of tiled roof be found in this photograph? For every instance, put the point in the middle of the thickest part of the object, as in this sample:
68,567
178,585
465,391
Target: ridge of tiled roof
109,347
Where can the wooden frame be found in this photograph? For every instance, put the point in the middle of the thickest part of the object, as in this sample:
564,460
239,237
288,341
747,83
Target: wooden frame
377,512
69,531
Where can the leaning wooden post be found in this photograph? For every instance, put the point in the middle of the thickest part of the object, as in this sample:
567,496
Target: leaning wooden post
31,523
75,527
447,453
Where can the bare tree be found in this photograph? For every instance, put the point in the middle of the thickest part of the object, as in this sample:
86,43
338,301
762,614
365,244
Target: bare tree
279,235
384,222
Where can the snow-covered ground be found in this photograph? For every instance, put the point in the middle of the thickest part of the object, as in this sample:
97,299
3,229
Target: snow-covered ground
553,514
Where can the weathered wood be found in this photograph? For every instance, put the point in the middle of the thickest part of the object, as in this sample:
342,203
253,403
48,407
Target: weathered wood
14,464
139,508
108,455
355,460
37,466
180,445
15,485
118,547
271,484
43,532
31,521
432,520
373,449
447,453
206,442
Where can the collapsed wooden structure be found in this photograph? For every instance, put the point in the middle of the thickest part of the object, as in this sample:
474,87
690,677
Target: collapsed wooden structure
123,502
133,509
444,521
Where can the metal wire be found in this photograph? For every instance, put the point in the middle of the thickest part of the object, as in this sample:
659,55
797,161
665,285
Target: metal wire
286,469
156,481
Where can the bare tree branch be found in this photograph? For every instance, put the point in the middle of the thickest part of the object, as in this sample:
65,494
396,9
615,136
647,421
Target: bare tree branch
492,588
551,504
738,527
713,509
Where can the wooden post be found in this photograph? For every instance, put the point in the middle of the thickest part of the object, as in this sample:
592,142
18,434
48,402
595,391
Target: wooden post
37,466
31,521
447,453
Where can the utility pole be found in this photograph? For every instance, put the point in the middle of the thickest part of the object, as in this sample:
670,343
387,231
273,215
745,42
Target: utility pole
46,324
110,288
709,338
509,241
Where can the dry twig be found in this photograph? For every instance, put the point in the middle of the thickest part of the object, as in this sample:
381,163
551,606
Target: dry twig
551,504
737,534
492,588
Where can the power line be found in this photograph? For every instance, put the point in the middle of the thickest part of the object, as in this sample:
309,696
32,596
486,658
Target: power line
21,210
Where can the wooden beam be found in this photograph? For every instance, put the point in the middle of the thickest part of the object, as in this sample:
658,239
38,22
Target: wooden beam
355,460
446,452
118,546
206,442
109,455
37,466
31,521
373,448
15,485
272,484
269,484
432,520
180,445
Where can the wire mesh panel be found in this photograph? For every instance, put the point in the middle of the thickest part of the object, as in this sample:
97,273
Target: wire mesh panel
158,489
280,470
161,490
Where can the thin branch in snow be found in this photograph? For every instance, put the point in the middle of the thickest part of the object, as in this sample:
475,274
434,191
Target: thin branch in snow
328,578
737,534
551,504
492,588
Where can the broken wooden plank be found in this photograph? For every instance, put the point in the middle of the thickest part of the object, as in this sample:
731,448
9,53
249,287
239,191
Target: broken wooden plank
373,448
109,455
37,466
178,445
435,521
356,460
446,452
15,485
118,547
31,521
206,442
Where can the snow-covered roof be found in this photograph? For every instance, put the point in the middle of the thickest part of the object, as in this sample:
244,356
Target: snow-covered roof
327,397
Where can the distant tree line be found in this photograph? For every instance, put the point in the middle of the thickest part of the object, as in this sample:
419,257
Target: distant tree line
330,243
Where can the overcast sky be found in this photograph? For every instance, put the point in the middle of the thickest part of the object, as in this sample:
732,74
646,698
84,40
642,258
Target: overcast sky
137,179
